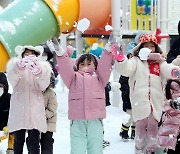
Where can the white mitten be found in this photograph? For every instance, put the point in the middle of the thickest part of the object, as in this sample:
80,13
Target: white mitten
115,85
54,46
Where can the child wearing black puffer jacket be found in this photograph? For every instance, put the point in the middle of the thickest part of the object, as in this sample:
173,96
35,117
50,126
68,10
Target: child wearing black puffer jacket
125,91
4,109
174,48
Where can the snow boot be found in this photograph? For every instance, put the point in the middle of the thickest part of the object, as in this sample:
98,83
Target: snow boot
10,151
106,143
132,132
124,133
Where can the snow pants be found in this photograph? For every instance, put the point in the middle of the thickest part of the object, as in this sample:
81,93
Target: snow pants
47,143
146,135
86,136
32,142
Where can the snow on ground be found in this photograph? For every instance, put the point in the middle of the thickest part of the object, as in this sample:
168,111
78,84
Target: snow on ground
112,125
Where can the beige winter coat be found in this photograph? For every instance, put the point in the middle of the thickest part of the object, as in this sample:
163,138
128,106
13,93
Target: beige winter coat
27,109
146,89
51,105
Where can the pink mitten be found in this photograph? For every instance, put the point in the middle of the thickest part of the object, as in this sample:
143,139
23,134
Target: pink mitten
35,68
176,73
22,63
69,50
119,53
155,57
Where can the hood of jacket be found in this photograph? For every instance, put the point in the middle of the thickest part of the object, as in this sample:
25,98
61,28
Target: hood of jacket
3,80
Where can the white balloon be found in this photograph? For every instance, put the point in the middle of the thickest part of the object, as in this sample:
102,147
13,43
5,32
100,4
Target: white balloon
83,25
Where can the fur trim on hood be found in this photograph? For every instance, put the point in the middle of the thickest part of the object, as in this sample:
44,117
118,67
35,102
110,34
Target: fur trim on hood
85,55
20,49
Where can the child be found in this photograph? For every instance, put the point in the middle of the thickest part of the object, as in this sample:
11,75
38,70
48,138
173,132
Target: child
86,98
4,109
51,117
123,80
146,71
169,130
28,76
48,56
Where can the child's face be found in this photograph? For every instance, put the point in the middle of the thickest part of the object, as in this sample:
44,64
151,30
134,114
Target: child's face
150,45
83,66
28,52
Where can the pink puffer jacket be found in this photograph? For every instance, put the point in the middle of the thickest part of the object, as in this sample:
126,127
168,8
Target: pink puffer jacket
170,128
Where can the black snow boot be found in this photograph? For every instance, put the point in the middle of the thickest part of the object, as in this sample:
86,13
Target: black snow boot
124,133
106,143
132,132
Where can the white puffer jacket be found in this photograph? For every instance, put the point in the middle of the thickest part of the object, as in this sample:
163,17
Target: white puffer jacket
146,88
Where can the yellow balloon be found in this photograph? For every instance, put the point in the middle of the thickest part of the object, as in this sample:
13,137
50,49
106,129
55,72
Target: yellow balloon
3,58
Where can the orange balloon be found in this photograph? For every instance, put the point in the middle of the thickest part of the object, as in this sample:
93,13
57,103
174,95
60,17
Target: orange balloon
96,11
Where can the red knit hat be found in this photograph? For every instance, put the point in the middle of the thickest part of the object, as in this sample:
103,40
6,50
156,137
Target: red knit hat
148,38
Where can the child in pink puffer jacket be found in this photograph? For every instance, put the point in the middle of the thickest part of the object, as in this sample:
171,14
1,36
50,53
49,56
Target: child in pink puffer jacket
170,128
86,100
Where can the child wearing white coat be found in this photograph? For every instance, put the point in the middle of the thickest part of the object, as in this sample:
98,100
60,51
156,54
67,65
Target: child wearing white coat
146,70
29,76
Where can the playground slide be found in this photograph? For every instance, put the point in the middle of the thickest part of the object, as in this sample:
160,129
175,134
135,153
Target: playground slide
33,22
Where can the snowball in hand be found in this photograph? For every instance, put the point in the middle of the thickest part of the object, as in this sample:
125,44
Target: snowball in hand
143,53
83,25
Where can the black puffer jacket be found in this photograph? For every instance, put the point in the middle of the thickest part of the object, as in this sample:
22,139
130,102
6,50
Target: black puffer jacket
107,90
123,80
4,102
174,48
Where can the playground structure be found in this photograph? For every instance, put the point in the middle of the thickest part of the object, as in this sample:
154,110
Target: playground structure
33,22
